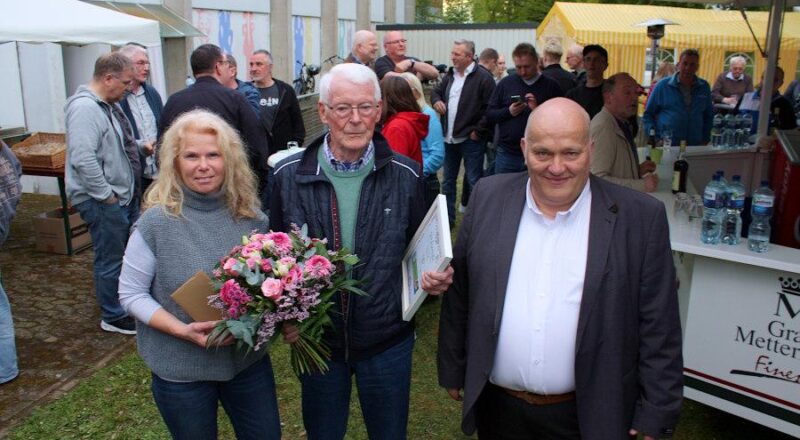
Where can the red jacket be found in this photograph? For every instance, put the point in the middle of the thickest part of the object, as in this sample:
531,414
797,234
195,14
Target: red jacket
405,131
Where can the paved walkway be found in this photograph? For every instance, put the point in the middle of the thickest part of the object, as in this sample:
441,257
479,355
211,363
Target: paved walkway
56,318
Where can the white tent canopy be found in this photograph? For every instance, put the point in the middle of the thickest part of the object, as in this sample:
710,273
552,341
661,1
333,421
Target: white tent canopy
73,22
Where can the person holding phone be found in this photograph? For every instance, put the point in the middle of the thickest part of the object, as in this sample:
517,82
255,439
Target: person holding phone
513,100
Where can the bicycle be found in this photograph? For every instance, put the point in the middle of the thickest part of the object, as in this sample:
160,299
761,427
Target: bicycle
305,83
333,60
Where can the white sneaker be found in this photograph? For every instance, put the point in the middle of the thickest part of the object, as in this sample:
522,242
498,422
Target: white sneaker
125,325
462,209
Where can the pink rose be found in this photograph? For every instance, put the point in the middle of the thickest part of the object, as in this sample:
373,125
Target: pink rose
230,263
266,266
318,267
272,288
293,278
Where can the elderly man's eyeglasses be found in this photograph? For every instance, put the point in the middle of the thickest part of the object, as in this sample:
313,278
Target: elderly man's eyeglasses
142,63
402,40
346,110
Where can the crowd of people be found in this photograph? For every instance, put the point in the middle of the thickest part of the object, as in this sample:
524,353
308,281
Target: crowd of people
552,324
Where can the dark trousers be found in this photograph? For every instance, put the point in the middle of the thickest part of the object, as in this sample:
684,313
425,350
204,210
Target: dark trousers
432,189
500,416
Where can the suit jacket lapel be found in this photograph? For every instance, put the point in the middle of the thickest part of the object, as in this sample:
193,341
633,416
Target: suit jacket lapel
506,237
601,228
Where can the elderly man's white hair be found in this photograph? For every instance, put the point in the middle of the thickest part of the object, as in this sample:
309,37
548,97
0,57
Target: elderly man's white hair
352,73
361,37
129,49
738,60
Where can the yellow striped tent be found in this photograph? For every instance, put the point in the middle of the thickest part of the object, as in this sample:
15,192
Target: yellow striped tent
713,33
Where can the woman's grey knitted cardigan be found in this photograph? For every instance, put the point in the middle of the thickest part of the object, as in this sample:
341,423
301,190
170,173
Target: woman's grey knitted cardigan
183,246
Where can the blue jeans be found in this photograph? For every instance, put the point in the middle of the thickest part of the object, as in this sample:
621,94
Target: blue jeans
384,384
506,162
472,152
108,225
8,350
189,409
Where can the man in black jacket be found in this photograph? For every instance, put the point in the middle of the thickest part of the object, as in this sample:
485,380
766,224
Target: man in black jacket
551,60
351,189
461,98
208,93
279,108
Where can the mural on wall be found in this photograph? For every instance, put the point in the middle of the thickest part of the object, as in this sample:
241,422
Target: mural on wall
306,42
237,33
346,30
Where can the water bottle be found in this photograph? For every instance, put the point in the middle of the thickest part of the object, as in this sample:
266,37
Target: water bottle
739,136
711,228
732,227
716,132
728,131
723,185
758,234
747,124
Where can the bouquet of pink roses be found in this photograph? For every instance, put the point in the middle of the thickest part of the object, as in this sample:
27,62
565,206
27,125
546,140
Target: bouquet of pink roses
278,277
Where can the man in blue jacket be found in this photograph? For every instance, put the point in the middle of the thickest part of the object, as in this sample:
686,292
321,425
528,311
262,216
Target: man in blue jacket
142,105
682,103
350,188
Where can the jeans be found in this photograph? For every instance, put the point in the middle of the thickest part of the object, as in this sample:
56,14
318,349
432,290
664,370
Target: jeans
8,351
189,409
506,162
384,384
473,153
108,225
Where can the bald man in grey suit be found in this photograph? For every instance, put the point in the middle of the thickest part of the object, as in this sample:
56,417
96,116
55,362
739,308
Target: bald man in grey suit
562,320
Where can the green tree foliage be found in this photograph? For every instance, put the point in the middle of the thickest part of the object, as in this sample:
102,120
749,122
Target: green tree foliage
428,11
458,11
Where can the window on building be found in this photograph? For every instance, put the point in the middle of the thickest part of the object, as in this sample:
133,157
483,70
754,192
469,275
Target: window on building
663,55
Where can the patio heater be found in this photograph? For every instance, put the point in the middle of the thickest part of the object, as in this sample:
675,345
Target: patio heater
655,31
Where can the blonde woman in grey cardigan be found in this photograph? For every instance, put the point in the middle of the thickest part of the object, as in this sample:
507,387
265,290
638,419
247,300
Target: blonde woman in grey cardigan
204,200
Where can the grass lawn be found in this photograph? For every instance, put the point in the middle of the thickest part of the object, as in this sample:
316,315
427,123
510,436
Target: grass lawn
116,403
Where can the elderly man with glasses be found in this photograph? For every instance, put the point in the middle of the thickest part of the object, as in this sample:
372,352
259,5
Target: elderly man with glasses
142,105
395,62
351,189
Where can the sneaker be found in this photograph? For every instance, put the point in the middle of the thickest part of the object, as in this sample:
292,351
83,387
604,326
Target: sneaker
462,209
125,325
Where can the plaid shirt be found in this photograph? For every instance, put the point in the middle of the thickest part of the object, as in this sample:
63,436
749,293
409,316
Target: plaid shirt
347,167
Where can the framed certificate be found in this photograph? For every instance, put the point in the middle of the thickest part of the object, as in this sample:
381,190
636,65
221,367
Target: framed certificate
429,250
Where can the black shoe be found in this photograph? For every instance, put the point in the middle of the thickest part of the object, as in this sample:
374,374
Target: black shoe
126,326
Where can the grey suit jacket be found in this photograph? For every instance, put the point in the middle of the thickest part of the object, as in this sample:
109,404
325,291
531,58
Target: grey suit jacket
628,364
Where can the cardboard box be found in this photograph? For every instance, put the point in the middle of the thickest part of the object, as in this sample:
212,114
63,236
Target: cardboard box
49,230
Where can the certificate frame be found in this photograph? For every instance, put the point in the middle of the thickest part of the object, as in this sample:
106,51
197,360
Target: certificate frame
430,249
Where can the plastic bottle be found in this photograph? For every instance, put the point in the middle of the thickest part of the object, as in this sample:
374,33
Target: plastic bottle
747,125
728,131
723,185
759,232
732,226
711,228
716,132
738,136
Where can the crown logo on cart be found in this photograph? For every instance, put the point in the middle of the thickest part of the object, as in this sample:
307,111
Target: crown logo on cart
790,286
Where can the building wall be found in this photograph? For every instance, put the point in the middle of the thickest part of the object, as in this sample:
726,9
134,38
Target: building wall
238,33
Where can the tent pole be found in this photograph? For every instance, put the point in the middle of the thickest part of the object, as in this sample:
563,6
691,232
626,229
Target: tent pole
773,46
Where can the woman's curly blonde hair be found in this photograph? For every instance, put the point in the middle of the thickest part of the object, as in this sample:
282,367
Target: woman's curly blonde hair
239,184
